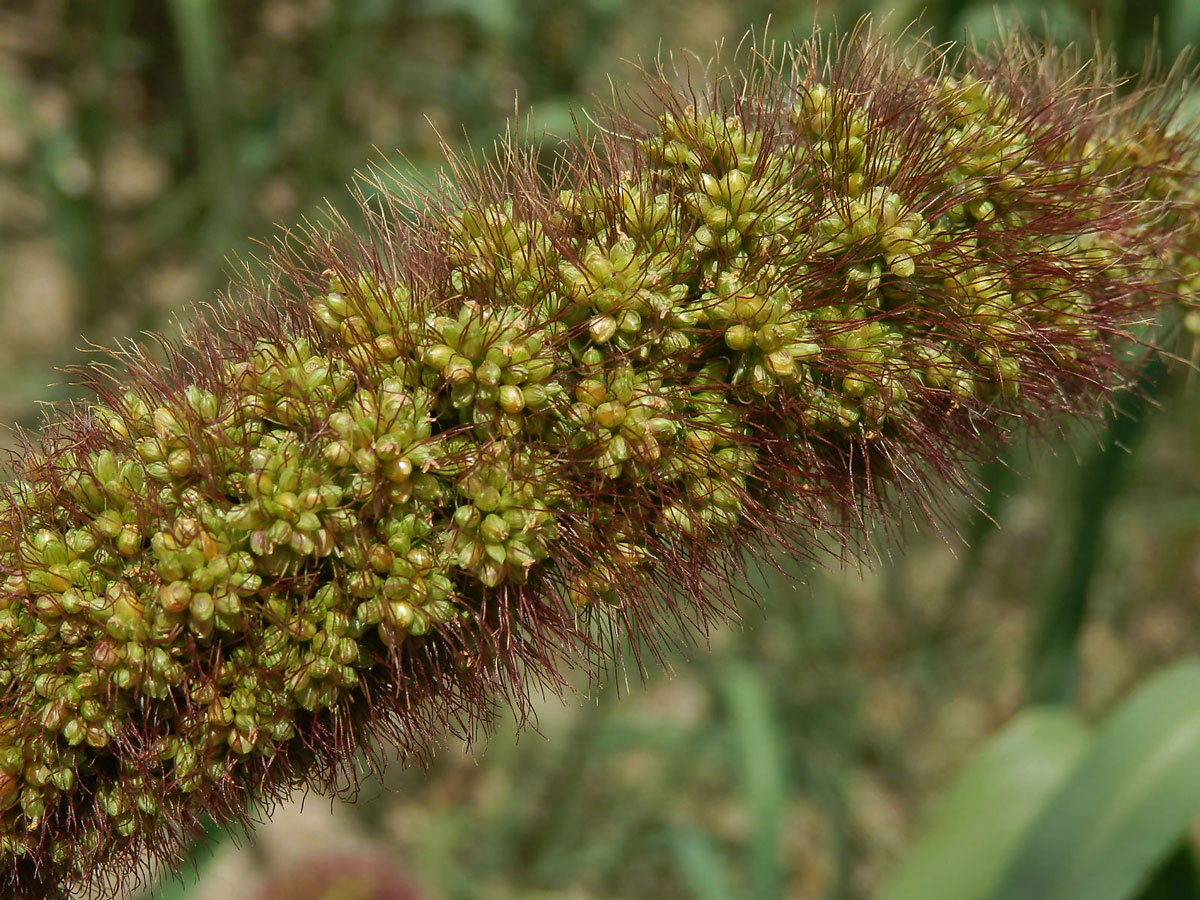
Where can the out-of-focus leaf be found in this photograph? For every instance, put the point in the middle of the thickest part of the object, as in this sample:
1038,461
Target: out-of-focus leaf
700,866
197,27
1177,878
1063,609
760,757
1184,30
495,18
1056,20
967,844
1127,804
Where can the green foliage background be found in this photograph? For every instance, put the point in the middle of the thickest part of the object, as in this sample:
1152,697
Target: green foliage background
796,755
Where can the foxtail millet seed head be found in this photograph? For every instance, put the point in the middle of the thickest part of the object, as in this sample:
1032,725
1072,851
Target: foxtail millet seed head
423,465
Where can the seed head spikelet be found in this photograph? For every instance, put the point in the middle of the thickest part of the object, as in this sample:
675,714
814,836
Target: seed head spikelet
513,422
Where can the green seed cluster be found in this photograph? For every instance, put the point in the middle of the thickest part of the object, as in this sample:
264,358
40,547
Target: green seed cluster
567,397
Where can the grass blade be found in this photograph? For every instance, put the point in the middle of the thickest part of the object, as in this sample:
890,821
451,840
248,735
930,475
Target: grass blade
759,748
1126,806
700,866
1054,657
968,843
1177,878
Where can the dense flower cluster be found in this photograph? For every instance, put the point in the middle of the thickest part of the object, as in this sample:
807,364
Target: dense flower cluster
426,463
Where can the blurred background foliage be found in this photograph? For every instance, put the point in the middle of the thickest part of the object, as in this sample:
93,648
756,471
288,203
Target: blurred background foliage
797,754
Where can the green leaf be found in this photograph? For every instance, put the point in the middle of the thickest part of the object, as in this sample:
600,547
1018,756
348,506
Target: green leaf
700,866
966,846
1063,609
1127,804
1177,878
760,755
1183,19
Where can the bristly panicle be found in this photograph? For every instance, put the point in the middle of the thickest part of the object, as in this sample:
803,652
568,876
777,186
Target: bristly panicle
513,423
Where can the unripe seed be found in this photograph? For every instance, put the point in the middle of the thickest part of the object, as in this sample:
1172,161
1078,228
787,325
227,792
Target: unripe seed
602,329
611,413
493,529
739,337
